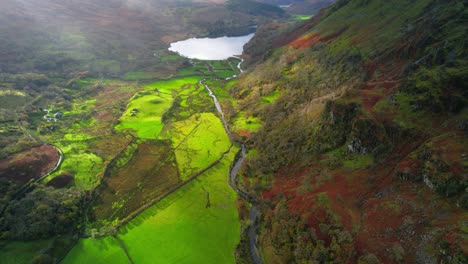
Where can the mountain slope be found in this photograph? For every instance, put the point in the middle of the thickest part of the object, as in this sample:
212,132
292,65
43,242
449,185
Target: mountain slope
112,37
362,152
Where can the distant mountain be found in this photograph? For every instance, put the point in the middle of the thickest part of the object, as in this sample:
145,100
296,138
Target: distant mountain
93,35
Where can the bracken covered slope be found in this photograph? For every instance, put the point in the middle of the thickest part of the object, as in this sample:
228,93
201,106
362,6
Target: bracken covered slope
362,153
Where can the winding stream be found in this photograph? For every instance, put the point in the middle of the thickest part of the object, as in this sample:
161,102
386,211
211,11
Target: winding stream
254,211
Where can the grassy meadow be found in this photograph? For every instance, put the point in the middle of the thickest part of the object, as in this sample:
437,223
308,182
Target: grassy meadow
197,142
164,132
144,113
196,224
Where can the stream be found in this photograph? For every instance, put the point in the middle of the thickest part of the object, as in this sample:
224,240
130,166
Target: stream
254,211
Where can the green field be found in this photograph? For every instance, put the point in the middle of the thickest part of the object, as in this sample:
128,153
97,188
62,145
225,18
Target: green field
243,122
198,141
197,223
139,75
97,251
171,85
182,228
302,17
83,164
145,110
144,114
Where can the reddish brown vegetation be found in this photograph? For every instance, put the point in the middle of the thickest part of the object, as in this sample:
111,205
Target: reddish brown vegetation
29,164
61,181
153,172
382,209
305,42
294,35
109,101
310,40
244,133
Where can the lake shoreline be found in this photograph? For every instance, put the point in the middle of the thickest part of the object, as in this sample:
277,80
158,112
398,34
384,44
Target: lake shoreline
221,48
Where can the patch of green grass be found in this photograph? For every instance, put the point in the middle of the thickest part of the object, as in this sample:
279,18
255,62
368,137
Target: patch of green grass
144,114
302,17
173,84
171,58
221,89
188,72
243,122
268,99
139,75
145,110
198,141
252,154
100,250
220,64
81,83
126,155
341,157
84,165
356,161
76,136
79,107
224,73
22,252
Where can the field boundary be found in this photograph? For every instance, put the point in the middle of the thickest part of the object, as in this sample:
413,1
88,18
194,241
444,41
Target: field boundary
135,213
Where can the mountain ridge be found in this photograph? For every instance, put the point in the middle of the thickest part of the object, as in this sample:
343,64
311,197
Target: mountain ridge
368,124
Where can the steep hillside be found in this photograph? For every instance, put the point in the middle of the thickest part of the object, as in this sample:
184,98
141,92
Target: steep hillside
360,153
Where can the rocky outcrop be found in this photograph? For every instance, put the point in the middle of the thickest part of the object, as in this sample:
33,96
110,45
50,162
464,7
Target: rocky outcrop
366,137
335,125
344,123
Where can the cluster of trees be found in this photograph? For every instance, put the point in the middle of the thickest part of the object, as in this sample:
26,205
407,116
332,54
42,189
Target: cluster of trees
296,242
42,213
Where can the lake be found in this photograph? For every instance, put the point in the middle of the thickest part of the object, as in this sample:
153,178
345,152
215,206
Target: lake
211,48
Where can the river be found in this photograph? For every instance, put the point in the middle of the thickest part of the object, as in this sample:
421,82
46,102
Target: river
254,211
